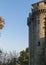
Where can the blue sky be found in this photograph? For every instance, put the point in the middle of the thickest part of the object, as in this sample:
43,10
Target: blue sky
14,35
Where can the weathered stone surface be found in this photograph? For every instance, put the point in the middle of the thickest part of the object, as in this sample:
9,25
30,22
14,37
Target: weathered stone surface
37,33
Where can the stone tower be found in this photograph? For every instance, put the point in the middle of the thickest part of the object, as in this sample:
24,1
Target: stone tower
36,23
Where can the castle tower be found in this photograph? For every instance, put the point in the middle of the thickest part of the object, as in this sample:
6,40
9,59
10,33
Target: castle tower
36,24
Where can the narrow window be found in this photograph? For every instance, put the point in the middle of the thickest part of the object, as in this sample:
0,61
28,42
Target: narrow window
39,43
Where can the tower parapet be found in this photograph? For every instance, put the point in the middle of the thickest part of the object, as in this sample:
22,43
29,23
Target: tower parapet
39,7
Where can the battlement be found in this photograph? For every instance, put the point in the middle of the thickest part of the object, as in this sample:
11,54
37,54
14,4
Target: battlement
39,7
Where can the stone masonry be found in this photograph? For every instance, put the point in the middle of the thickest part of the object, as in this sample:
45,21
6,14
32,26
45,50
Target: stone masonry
36,24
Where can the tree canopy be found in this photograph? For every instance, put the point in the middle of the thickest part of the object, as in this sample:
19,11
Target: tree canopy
24,57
